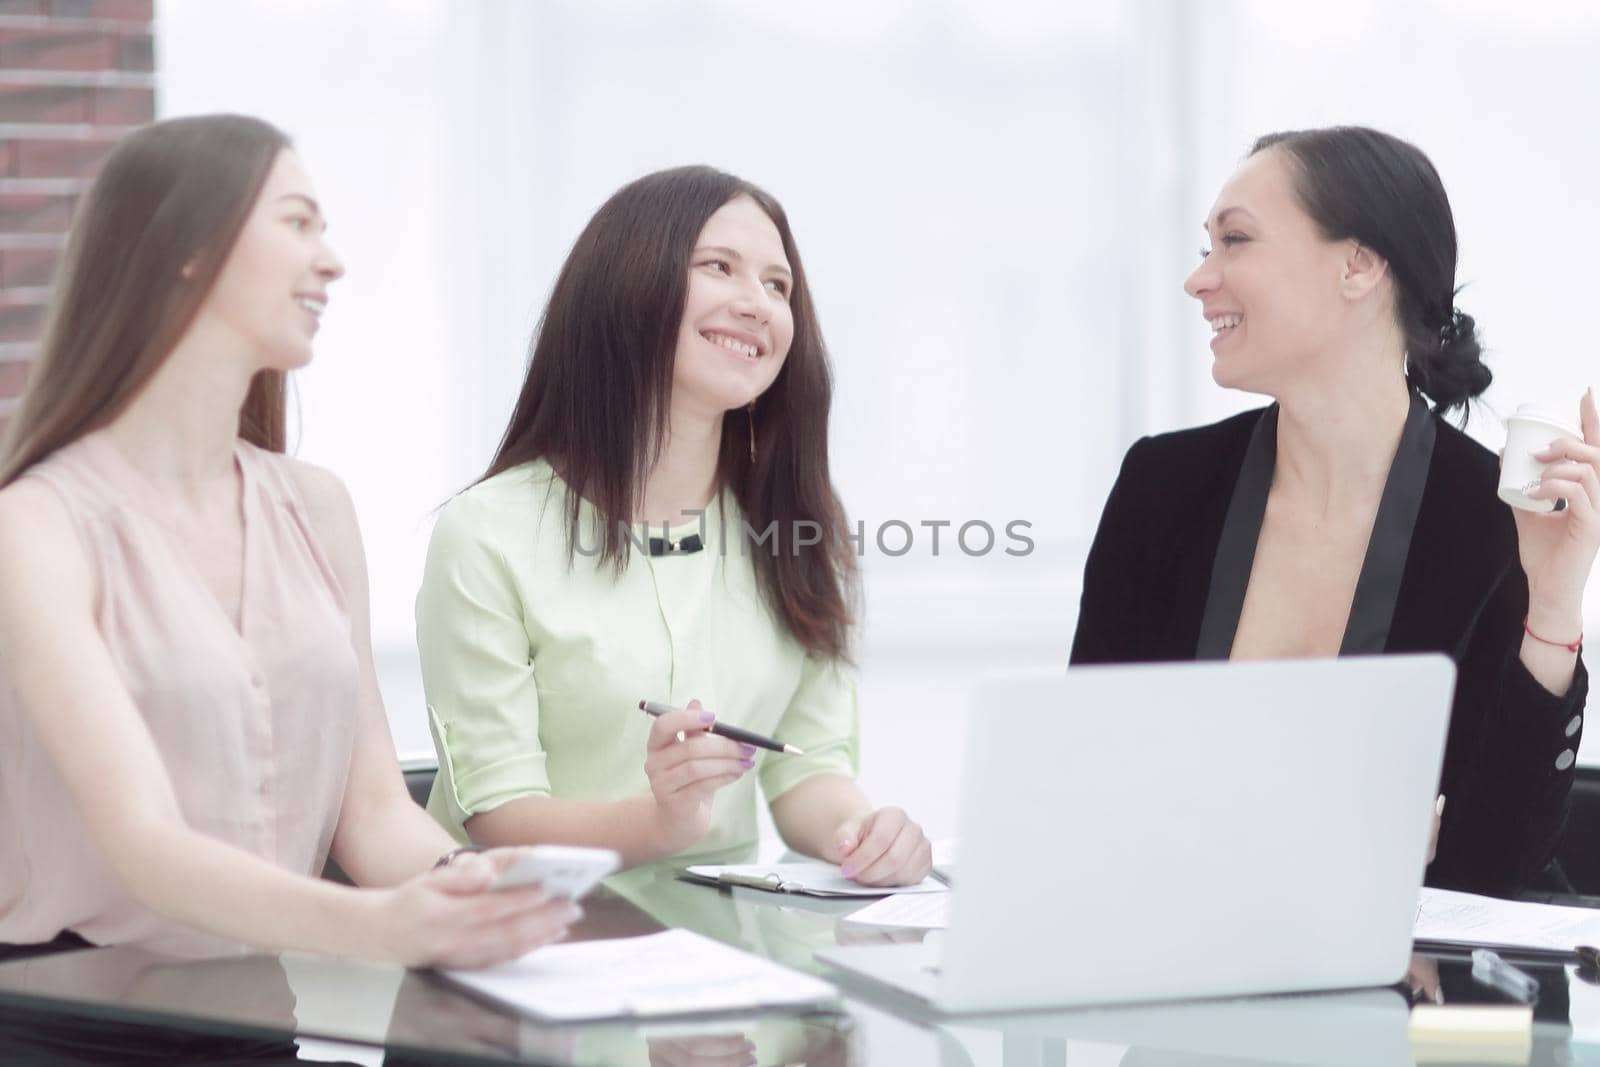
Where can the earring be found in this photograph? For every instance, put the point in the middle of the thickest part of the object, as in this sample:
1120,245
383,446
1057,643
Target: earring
751,410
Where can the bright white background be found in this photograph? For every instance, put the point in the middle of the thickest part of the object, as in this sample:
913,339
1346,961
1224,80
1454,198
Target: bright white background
996,202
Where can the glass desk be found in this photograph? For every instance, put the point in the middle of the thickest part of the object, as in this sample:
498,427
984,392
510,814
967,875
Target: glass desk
127,1005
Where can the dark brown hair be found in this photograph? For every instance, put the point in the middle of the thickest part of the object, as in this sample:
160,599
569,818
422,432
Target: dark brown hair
170,196
596,399
1372,187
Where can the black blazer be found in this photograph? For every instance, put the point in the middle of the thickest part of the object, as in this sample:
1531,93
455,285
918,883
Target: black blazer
1462,591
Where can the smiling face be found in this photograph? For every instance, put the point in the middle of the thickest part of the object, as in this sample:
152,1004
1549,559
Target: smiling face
1270,285
737,323
273,287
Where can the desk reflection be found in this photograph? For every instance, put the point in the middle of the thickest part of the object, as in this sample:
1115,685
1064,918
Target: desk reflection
1367,1027
127,1005
114,1006
78,1006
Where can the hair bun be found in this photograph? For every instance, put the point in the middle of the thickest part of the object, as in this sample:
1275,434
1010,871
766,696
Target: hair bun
1453,371
1458,327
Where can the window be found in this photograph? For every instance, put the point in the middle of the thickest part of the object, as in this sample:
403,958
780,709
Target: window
997,205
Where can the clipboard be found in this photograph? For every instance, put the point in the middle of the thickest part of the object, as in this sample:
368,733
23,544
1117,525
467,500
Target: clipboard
800,879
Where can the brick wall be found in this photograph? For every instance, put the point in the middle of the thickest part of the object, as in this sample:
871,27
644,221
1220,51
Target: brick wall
74,76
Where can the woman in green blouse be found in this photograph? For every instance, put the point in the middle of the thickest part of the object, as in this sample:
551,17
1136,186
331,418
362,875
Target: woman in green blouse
659,524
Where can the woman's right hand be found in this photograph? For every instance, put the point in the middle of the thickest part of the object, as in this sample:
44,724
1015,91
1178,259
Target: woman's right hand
686,766
449,917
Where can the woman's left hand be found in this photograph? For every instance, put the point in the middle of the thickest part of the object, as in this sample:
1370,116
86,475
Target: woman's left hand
1558,548
884,848
1421,982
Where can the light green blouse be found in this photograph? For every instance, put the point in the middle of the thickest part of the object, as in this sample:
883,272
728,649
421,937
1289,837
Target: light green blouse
534,668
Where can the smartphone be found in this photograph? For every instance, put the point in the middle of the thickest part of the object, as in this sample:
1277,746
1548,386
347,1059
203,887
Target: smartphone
564,870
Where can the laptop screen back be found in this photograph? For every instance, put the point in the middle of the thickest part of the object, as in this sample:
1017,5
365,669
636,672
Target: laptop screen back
1185,830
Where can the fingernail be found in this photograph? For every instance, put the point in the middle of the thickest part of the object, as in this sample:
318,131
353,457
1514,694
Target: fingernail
848,871
1438,996
748,750
846,844
707,716
574,913
1438,805
748,761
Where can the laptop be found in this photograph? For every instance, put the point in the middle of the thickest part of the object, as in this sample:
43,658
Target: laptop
1174,831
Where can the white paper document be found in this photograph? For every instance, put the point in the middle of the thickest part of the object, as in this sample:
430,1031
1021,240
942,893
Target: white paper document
1465,918
922,911
671,973
808,879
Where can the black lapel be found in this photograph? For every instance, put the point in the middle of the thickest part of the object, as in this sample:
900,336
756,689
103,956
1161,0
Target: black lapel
1236,549
1388,546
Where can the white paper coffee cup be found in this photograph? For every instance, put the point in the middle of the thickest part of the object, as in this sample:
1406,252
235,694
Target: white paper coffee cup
1530,430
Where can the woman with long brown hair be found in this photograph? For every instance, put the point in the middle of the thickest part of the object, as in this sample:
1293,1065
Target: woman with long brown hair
189,718
658,524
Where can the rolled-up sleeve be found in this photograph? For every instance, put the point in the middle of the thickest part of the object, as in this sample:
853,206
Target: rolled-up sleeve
822,720
477,672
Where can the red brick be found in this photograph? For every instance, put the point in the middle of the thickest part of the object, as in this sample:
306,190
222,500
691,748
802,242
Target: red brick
53,157
136,52
34,213
132,10
14,376
45,103
20,322
123,107
57,49
27,268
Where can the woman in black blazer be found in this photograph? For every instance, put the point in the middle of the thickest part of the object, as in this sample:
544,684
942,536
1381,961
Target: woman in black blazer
1347,517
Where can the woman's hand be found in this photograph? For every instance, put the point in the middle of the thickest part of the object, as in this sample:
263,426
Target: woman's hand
449,917
884,848
686,766
1421,982
1558,548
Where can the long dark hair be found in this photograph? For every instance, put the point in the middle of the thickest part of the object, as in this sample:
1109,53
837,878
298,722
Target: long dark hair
170,196
596,398
1361,184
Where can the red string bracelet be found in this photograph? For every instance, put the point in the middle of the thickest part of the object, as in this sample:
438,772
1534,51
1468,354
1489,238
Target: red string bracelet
1573,647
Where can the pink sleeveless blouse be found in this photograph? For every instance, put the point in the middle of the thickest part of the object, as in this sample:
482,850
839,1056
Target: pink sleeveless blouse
256,724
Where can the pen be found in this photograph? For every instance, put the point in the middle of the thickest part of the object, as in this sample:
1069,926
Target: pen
732,733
